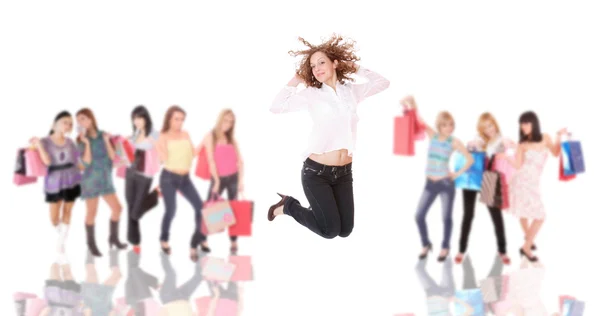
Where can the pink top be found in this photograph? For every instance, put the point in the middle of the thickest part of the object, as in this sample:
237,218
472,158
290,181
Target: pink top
226,160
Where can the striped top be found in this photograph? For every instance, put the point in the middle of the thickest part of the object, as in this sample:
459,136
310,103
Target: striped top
438,158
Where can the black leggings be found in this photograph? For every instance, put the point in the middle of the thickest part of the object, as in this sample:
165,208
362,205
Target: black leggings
329,192
139,201
469,198
229,184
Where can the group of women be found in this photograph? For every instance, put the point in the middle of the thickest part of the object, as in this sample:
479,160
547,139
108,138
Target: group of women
83,168
332,97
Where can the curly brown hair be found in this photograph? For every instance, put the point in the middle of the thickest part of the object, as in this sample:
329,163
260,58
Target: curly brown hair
336,48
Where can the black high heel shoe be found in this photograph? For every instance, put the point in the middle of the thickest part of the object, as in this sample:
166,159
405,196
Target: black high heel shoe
271,213
443,258
204,248
424,254
531,259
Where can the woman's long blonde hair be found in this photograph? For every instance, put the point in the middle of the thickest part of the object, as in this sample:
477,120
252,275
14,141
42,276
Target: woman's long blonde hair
483,118
228,134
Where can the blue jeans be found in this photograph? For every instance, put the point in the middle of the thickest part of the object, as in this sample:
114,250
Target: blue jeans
445,189
170,184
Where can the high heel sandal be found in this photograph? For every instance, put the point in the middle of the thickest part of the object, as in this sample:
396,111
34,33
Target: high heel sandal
233,250
459,258
166,250
443,258
531,259
424,254
505,259
271,215
204,248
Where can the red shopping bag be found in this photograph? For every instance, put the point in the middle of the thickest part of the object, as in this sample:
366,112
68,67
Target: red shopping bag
202,170
243,268
404,138
419,128
121,172
561,172
243,210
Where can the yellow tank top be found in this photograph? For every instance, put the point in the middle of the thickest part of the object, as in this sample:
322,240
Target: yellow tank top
179,155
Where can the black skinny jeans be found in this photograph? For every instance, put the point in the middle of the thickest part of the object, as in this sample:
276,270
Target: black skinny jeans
329,192
139,201
229,184
469,198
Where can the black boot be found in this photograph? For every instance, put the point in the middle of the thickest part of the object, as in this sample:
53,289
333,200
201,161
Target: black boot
91,241
113,239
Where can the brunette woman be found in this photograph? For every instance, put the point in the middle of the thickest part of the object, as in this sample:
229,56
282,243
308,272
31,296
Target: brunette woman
491,142
440,181
530,158
62,182
225,162
97,154
332,99
137,184
176,151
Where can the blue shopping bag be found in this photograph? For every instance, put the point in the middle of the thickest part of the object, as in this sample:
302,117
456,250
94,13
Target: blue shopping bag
470,179
474,298
572,158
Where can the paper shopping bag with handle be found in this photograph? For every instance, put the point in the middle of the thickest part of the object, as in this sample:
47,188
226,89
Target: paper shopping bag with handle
243,211
404,137
34,166
217,269
202,170
217,215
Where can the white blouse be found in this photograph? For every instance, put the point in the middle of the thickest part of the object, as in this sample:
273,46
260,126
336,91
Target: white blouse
334,114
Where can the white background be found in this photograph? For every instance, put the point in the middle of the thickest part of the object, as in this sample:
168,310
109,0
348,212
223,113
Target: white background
465,57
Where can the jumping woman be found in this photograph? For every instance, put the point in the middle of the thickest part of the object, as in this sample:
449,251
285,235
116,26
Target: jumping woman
331,98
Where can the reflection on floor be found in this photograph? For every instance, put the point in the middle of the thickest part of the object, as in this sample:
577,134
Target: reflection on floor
514,293
144,294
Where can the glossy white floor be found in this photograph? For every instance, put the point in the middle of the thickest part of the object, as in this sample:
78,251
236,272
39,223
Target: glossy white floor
466,58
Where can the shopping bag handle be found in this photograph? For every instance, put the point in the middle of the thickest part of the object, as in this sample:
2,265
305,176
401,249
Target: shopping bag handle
213,197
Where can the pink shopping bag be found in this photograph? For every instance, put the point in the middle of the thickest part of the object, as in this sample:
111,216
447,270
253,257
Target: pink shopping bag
20,179
34,306
217,215
243,268
21,296
34,166
151,162
216,269
224,307
121,172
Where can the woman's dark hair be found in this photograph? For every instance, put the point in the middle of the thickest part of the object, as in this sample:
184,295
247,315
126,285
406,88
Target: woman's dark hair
140,111
58,117
536,134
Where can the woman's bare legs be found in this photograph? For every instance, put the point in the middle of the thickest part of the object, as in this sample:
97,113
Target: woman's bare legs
91,211
530,235
115,206
116,209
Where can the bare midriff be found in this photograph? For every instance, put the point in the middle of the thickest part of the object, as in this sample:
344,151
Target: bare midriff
333,158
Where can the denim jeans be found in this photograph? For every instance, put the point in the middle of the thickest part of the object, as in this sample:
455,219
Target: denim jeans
139,201
170,184
229,184
329,192
445,189
469,198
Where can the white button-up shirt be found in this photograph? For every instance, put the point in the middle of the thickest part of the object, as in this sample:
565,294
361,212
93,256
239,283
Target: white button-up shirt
333,112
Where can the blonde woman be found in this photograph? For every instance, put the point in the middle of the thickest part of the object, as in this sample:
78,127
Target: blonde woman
225,162
440,181
491,142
